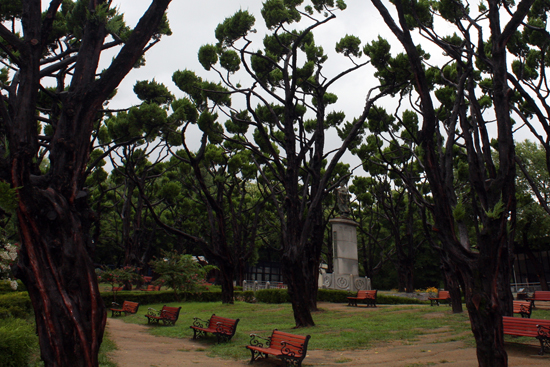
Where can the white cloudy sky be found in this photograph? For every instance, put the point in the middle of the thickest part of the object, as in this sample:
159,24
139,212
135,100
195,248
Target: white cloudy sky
193,25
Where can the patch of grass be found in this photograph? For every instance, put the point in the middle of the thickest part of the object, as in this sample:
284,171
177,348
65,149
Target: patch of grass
106,346
343,360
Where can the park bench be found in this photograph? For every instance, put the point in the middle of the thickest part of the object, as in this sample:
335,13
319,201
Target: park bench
369,297
127,307
290,348
523,308
442,296
222,327
168,315
539,296
537,328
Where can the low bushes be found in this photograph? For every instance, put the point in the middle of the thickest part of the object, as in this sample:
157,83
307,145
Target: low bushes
147,297
18,341
5,287
330,295
272,296
15,304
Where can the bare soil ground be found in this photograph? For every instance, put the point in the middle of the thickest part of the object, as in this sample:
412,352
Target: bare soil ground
138,348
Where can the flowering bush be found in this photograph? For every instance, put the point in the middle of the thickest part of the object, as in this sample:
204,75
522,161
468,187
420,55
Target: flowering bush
431,290
179,272
122,276
8,255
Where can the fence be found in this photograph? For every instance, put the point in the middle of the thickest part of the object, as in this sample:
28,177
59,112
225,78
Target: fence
254,285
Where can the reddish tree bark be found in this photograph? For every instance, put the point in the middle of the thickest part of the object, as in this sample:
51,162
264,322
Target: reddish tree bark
53,213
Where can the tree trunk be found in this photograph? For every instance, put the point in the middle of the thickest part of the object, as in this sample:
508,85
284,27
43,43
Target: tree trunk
227,273
486,323
298,279
56,268
452,280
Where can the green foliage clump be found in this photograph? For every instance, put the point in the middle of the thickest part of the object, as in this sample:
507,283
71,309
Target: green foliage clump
180,272
17,342
332,295
272,296
6,287
15,304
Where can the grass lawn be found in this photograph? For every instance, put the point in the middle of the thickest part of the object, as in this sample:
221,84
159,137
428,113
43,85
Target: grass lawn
340,328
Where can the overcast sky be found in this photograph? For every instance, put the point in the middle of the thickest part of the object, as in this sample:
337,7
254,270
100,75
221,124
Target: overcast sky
193,25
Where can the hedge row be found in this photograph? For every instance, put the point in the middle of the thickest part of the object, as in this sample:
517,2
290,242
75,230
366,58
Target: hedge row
5,287
144,297
15,305
18,340
330,295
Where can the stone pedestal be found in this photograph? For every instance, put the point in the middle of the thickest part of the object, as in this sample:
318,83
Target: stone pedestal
344,246
345,258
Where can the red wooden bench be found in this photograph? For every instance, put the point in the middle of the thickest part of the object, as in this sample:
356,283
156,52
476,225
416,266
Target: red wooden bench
537,328
442,296
539,296
222,327
127,307
369,297
523,308
168,315
290,348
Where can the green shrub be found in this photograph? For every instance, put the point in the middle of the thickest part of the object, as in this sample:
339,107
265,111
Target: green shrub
245,296
5,287
17,342
332,295
272,296
15,304
395,300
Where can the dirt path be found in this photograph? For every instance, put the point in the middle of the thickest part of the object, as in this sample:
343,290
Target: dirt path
138,348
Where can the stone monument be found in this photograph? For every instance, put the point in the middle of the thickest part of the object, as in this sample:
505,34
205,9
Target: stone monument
344,245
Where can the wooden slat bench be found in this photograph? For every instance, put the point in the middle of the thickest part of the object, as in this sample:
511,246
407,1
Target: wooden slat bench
167,315
442,296
369,297
290,348
127,307
539,296
536,328
523,308
222,327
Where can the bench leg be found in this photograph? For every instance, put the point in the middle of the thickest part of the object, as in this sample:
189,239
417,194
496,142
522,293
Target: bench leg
289,361
544,343
256,355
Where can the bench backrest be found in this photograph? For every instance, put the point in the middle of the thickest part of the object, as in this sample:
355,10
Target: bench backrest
290,344
223,324
522,326
170,313
443,294
153,287
129,306
366,294
543,295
